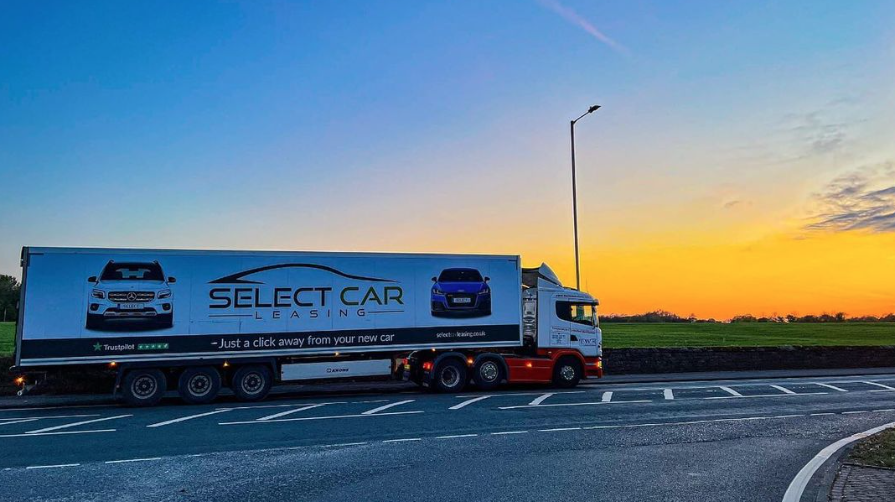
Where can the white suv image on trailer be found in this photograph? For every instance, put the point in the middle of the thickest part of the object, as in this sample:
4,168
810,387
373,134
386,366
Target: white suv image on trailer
130,296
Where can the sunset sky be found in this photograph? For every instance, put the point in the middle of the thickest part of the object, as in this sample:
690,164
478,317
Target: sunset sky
743,160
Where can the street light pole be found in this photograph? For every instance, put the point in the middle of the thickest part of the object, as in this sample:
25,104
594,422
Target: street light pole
575,194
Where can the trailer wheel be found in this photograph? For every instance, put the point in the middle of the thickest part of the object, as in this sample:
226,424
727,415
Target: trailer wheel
199,385
144,387
252,382
488,374
567,372
450,376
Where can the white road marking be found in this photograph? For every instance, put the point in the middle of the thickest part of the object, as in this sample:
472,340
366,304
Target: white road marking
540,399
783,389
34,435
48,416
457,436
791,394
51,466
385,407
468,402
880,385
798,484
19,421
572,404
333,417
560,429
508,432
401,440
338,445
669,394
75,424
840,389
189,417
148,459
289,405
821,414
853,412
730,391
607,397
289,412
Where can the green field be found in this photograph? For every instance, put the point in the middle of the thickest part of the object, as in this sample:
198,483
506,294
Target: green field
642,335
7,338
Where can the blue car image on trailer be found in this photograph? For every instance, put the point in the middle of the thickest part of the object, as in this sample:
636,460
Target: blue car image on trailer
461,292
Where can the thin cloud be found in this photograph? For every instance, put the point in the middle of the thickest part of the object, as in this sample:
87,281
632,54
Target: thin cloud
860,200
576,19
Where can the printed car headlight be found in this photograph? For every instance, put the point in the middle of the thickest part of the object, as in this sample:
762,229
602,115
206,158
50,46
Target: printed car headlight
98,293
165,293
485,292
436,291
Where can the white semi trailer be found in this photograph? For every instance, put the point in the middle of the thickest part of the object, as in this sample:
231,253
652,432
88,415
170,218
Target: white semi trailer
197,321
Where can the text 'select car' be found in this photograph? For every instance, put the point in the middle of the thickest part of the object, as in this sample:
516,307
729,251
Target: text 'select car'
461,292
130,295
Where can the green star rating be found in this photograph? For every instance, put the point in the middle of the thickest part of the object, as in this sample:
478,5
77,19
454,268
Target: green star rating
152,346
97,346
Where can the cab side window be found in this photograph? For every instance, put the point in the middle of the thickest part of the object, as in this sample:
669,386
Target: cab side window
581,313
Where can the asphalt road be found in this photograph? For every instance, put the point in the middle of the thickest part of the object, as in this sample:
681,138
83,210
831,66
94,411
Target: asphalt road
713,441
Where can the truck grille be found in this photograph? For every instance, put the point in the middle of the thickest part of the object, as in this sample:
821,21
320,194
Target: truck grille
131,296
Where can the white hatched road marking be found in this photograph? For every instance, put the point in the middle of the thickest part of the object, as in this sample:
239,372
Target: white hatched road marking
296,410
19,421
730,391
385,407
783,389
840,389
669,394
189,417
540,399
48,416
51,466
468,402
607,397
75,424
573,404
880,385
57,433
331,417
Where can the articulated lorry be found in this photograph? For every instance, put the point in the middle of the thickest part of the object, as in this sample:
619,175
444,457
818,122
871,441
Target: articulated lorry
199,321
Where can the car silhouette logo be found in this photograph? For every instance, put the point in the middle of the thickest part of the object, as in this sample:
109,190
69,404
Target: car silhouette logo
131,297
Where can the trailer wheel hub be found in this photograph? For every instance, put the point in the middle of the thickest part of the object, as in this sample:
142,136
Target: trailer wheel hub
200,385
144,386
450,377
489,371
252,383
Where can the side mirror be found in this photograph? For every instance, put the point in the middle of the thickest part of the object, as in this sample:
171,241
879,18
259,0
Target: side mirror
171,280
487,278
435,279
92,279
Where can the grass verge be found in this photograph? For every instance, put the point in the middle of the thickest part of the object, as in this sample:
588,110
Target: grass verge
878,450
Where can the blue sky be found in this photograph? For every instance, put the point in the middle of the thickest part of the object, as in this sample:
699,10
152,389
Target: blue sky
431,126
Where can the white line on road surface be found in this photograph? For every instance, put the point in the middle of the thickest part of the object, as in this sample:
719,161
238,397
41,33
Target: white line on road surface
508,432
333,417
880,385
468,402
387,406
401,440
189,417
457,436
607,397
798,484
669,394
51,466
57,433
771,395
148,459
19,421
48,416
560,429
75,424
338,445
822,414
572,404
783,389
840,389
289,412
540,399
730,391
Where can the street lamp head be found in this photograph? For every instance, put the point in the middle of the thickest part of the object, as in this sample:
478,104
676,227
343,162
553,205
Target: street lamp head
593,108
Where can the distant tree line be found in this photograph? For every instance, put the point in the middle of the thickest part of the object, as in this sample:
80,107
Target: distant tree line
664,316
9,298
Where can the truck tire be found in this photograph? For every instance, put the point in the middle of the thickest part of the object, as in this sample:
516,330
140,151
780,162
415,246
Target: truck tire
144,387
488,374
252,382
449,376
567,372
199,385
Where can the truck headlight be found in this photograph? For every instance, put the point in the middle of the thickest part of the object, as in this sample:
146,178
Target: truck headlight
165,293
98,293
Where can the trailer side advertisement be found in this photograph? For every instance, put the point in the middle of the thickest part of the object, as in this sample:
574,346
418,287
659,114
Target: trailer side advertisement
100,305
